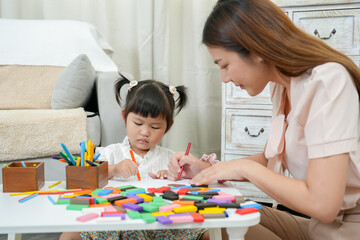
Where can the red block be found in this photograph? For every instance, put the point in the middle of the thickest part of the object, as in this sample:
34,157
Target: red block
197,217
183,191
243,211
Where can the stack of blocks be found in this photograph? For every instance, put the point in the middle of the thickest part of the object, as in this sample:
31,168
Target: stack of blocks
167,205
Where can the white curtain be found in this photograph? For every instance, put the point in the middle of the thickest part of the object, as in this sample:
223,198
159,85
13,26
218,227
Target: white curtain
152,39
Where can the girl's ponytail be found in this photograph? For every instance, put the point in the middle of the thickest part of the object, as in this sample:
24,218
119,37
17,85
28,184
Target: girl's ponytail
182,99
118,85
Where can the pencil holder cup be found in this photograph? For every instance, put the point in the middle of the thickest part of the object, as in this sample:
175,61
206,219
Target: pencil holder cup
92,177
17,178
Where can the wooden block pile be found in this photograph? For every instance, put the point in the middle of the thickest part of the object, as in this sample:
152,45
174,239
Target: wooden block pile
167,205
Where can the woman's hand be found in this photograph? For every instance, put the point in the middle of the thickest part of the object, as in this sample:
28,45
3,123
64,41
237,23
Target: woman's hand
125,169
228,170
192,166
162,174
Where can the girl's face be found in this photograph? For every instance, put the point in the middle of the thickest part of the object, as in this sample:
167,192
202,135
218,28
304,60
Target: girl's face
144,132
250,73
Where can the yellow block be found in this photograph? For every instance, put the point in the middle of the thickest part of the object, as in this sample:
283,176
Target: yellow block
212,210
161,213
184,209
147,198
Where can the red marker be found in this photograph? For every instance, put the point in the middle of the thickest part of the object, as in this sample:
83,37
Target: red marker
186,153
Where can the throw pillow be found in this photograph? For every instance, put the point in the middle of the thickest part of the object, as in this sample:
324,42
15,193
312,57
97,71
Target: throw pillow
75,84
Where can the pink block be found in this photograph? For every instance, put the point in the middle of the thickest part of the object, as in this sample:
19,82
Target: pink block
109,208
87,217
181,219
175,190
168,208
224,197
111,196
224,194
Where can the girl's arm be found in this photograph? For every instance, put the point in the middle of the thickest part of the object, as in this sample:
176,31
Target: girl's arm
319,196
125,169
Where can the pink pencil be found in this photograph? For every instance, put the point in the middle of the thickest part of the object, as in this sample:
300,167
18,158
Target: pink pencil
186,153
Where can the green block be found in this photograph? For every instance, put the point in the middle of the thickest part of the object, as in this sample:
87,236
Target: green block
126,186
159,204
147,217
157,199
76,207
134,214
190,197
63,201
150,208
100,200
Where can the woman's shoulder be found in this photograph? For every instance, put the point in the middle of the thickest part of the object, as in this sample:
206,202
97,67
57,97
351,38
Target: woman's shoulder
331,76
329,68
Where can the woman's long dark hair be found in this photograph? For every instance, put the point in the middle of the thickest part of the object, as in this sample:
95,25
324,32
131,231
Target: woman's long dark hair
262,28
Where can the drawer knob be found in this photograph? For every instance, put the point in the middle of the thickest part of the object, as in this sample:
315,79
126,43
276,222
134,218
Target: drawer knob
253,135
317,34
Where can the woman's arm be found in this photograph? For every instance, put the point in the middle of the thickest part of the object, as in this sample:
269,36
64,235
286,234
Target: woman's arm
319,196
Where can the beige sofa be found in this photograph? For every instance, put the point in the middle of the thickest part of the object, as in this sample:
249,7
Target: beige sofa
66,96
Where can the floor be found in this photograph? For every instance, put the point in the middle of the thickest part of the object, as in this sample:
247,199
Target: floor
35,236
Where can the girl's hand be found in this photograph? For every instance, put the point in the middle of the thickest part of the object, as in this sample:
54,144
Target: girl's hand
125,169
162,174
192,166
228,170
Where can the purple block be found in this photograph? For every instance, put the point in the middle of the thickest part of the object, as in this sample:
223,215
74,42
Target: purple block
132,206
122,215
137,198
163,220
217,201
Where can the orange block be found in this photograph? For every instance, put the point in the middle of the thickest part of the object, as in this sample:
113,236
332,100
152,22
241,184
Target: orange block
116,190
100,205
127,200
184,203
204,190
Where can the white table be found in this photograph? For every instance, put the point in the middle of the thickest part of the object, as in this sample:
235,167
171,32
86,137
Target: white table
40,215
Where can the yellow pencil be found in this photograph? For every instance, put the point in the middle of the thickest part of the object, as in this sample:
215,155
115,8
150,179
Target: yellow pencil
92,152
54,184
89,150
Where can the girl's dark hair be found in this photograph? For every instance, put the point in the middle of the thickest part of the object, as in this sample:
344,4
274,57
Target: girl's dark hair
151,98
262,28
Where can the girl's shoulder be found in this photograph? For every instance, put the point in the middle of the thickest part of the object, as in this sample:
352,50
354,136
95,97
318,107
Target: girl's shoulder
162,150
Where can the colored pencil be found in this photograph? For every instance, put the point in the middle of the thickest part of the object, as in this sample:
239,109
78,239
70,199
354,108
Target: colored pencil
182,167
133,158
54,184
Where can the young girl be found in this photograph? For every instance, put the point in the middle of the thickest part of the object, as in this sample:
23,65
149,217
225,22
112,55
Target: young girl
148,114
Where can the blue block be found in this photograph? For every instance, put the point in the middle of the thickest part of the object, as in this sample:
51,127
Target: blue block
105,192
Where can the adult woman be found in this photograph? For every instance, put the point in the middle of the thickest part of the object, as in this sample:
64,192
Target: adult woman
315,127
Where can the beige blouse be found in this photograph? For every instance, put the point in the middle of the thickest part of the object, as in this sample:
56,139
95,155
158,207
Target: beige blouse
323,121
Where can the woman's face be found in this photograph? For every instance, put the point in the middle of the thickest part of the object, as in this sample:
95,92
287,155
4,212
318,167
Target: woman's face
249,73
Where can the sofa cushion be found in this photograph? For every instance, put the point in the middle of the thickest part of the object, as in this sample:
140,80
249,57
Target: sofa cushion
74,86
27,87
38,133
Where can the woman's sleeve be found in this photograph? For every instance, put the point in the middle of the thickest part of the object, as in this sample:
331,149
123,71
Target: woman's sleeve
333,110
